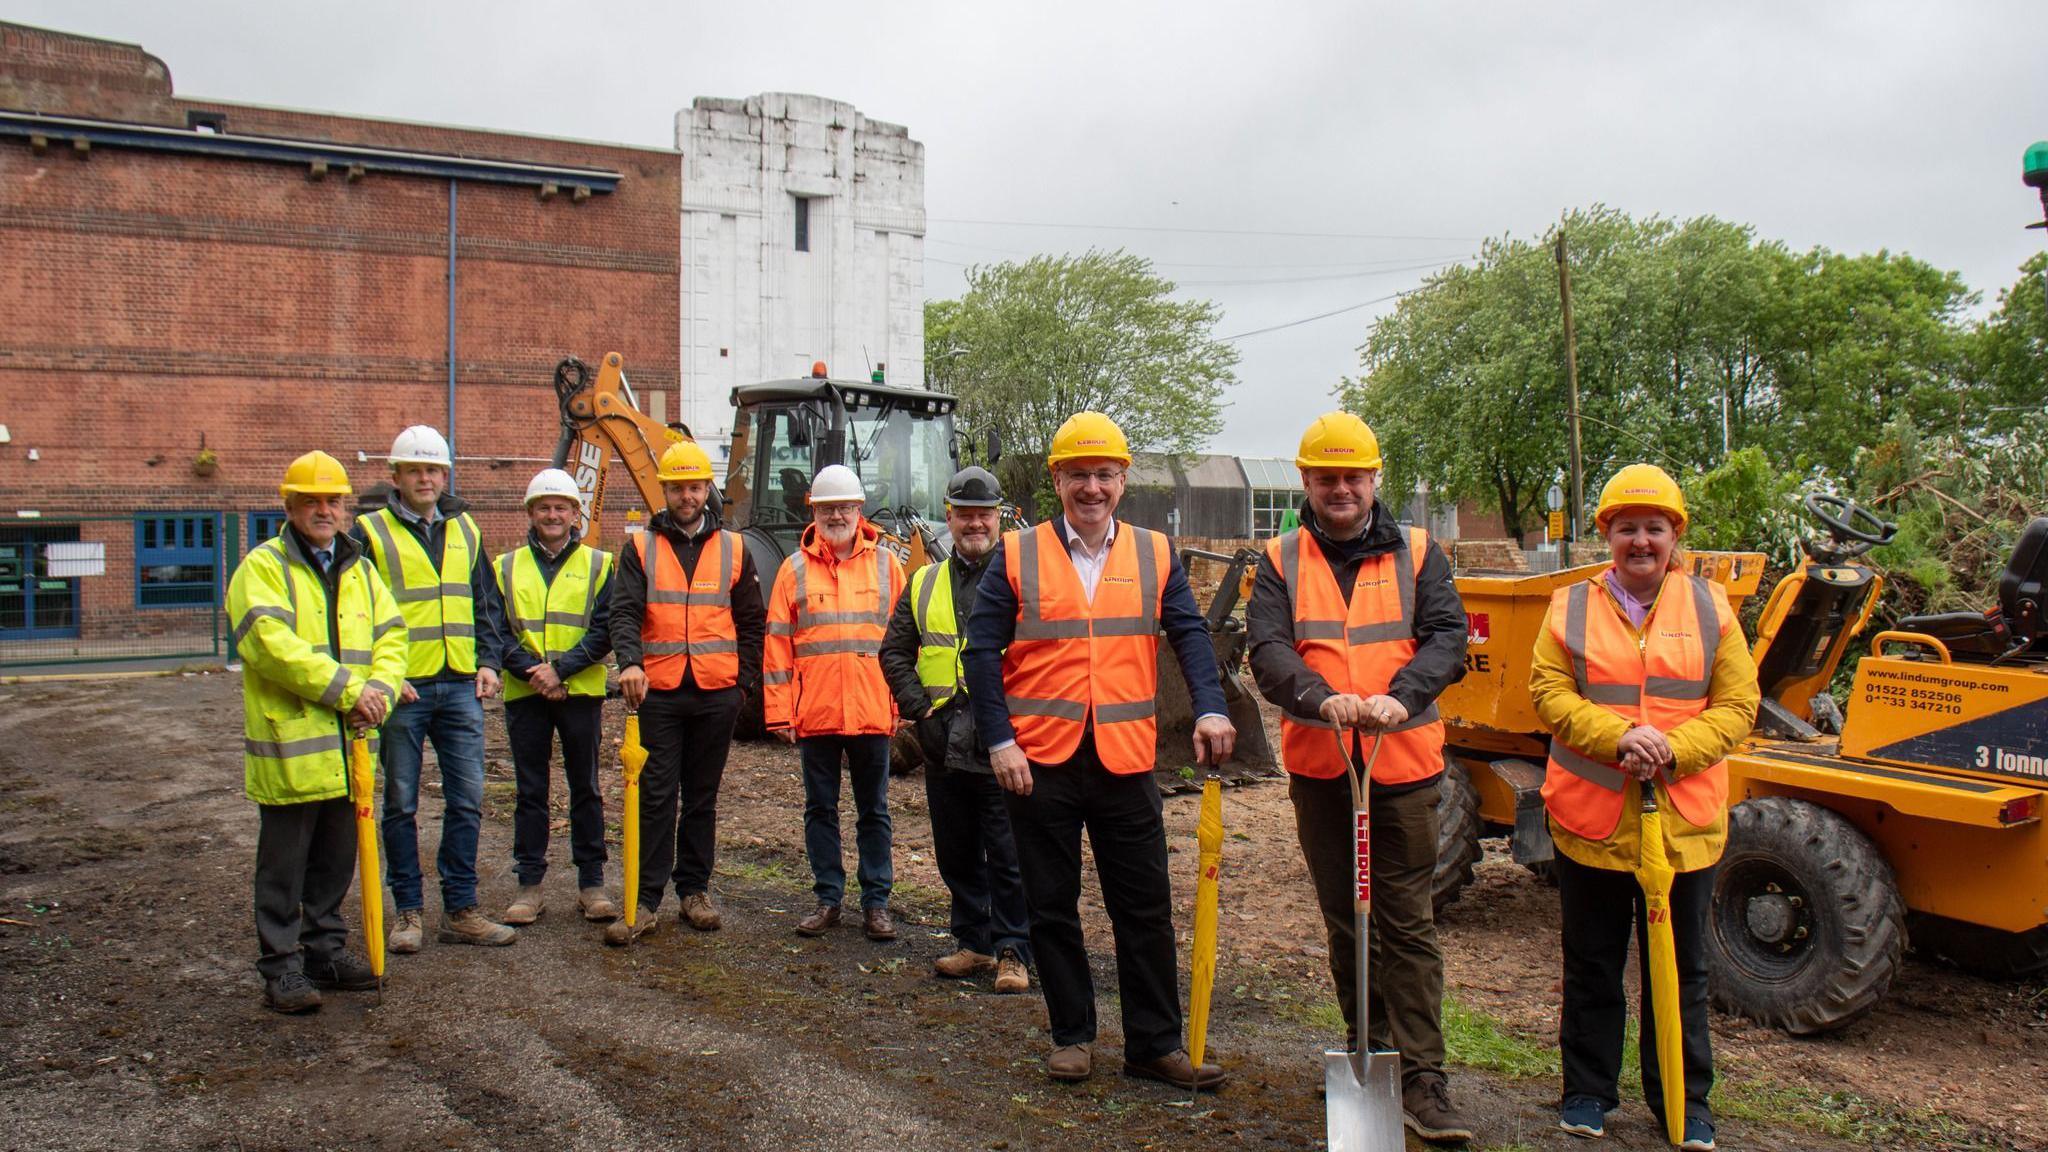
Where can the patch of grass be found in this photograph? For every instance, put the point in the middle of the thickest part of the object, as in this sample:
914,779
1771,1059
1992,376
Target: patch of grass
1842,1115
1477,1040
757,871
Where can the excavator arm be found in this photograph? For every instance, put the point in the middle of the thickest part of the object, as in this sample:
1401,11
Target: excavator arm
600,422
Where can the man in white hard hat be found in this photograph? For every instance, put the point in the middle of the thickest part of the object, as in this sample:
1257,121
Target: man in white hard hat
429,551
557,594
823,690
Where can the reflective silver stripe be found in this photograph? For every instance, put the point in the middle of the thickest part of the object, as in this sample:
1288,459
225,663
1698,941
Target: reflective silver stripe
427,635
458,630
1148,585
1710,629
1051,630
1125,626
1672,688
781,628
713,647
1575,631
529,624
1404,582
336,686
1290,575
388,625
1625,695
569,619
310,745
826,647
354,655
927,582
469,541
800,574
1383,633
665,648
884,594
459,591
1031,625
505,568
1585,769
416,595
590,585
250,617
1058,709
1318,630
938,640
1124,713
394,564
775,677
822,619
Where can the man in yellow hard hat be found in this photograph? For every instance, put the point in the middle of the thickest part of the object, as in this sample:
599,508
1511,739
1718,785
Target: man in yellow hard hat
1355,629
687,624
1062,667
322,647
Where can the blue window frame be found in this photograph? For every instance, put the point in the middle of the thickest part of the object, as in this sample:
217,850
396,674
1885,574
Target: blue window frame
262,526
177,560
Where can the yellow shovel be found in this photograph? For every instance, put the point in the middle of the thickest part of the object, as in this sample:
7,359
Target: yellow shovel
634,757
1202,966
1654,873
362,789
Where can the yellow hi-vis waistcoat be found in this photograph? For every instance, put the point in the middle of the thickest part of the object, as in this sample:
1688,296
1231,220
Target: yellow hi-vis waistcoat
440,614
298,681
550,619
939,640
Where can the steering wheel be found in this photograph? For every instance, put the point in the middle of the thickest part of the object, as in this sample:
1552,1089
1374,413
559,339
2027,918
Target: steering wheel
1841,515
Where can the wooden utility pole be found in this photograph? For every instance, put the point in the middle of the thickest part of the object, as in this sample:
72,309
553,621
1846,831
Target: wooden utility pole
1571,375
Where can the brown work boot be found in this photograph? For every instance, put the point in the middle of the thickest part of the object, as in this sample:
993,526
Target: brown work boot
820,922
1070,1062
596,906
701,913
964,963
619,933
1011,975
878,924
469,926
525,907
1427,1110
1176,1069
405,931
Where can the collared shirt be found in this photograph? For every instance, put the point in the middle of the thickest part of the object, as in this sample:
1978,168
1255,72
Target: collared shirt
543,550
405,510
1088,565
1637,610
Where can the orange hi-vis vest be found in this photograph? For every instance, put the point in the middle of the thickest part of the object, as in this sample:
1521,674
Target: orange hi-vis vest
1661,679
822,672
1357,648
688,624
1073,663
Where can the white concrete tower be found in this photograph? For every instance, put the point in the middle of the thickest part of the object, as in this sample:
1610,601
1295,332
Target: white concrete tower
803,240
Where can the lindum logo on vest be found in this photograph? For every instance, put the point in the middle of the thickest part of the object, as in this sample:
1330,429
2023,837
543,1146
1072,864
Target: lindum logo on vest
1675,633
1118,580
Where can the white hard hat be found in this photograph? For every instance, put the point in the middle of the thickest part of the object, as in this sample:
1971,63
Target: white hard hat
420,444
836,484
553,482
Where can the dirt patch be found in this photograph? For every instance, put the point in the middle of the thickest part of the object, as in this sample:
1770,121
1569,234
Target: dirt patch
130,1013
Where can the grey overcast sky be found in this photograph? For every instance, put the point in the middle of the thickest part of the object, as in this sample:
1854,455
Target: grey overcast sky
1385,137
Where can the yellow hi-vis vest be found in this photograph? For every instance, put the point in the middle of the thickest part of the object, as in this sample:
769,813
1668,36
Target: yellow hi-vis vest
440,614
298,679
939,641
551,619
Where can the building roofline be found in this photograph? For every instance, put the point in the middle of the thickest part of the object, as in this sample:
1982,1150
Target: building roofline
509,132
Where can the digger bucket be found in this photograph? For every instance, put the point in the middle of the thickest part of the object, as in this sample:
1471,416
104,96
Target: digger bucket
1252,757
1361,1088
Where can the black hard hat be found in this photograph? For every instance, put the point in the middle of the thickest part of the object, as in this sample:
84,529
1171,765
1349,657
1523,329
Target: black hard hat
974,488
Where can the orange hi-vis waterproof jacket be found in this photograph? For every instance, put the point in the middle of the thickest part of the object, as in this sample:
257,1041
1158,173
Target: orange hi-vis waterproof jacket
1661,677
821,672
1358,648
1074,663
688,623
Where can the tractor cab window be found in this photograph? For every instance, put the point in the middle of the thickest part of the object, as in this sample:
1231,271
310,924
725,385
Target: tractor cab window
903,459
786,467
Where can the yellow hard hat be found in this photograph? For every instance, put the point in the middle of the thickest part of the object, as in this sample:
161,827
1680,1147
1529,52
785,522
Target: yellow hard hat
1641,486
684,460
315,474
1338,440
1088,435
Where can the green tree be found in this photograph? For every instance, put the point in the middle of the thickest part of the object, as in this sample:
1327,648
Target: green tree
1030,344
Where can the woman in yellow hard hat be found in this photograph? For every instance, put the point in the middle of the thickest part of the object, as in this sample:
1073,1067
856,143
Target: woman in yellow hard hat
1642,677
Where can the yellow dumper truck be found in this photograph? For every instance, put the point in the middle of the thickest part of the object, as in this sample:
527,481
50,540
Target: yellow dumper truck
1918,810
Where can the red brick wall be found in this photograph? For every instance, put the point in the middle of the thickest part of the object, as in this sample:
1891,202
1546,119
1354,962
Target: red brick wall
153,299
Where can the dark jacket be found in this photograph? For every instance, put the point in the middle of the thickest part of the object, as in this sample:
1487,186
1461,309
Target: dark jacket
994,623
948,736
493,632
597,640
1439,661
629,598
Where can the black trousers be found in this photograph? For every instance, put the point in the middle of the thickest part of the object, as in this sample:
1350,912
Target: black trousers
978,861
688,734
1599,905
1404,1009
531,725
305,859
1121,815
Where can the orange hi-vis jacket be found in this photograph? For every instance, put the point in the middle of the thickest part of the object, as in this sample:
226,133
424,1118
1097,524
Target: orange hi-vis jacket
821,672
1073,663
1661,680
1357,648
688,624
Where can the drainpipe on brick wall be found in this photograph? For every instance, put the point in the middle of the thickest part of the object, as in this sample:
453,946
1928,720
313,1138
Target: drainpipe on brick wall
451,329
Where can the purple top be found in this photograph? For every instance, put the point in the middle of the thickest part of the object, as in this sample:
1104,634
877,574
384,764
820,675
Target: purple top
1636,609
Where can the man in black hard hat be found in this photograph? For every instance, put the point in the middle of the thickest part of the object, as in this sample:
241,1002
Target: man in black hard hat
970,822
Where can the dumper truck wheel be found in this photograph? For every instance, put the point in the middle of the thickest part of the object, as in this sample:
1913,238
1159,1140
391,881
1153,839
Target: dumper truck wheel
1457,836
1807,928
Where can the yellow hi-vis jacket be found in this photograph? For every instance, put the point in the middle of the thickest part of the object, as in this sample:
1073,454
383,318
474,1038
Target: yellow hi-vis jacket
939,639
439,610
306,659
550,618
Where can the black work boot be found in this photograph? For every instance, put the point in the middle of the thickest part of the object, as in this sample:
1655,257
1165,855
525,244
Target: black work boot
343,970
291,994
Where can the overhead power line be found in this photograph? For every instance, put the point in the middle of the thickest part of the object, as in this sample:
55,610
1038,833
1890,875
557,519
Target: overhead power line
1326,315
1200,231
1359,265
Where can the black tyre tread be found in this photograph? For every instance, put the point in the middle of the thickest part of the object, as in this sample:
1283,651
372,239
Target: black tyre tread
1457,840
1866,908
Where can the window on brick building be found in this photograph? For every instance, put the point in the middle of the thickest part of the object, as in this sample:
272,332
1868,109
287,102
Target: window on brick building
262,526
803,224
211,123
176,560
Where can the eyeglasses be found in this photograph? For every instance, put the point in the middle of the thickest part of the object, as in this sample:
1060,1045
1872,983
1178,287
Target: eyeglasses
1102,476
836,511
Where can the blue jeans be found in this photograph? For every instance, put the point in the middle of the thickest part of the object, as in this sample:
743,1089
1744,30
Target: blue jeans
867,761
449,714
